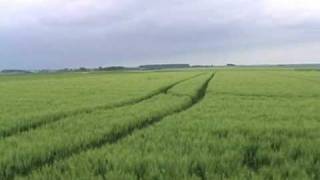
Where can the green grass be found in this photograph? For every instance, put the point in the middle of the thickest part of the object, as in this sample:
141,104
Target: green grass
33,100
238,124
25,151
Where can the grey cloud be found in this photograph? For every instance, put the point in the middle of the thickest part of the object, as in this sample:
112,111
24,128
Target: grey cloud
136,32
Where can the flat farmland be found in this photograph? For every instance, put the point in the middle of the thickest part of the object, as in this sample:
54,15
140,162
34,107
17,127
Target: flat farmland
238,123
32,100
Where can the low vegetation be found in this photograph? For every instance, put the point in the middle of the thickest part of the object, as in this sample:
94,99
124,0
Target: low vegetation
230,124
32,101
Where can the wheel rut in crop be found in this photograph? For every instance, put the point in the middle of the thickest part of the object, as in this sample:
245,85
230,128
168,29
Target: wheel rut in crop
113,137
54,117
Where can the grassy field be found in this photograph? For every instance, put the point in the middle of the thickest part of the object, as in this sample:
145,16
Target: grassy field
33,100
238,123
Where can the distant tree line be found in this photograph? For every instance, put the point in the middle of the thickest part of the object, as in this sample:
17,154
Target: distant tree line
109,68
164,66
14,71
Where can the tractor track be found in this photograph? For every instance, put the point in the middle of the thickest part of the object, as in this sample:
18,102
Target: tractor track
54,117
112,137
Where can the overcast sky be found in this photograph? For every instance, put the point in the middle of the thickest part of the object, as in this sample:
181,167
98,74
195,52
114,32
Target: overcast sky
72,33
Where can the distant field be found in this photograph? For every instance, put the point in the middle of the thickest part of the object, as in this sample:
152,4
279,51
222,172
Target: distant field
238,123
32,99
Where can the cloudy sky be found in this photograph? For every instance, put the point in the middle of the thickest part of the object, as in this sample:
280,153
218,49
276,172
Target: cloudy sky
72,33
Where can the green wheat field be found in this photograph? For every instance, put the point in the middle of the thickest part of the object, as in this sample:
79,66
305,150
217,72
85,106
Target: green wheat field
228,123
